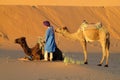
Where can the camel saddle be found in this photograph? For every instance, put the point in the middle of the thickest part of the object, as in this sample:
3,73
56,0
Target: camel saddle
85,26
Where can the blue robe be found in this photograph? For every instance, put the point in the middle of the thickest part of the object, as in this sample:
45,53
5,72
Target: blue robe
50,44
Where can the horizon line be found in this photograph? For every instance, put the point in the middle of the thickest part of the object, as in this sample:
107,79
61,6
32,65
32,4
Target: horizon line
62,2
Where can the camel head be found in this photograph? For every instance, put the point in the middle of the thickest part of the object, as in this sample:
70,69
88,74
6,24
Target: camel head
20,41
62,30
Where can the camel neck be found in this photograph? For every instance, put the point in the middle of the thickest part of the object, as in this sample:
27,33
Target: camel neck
26,49
70,35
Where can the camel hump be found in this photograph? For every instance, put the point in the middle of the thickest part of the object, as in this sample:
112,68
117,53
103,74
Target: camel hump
86,26
97,25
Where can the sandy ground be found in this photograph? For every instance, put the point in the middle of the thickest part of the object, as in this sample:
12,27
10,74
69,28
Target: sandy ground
13,69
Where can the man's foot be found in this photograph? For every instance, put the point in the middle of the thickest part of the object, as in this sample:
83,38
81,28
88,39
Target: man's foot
51,59
44,60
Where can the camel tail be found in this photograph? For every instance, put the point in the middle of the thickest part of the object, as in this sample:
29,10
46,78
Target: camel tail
108,40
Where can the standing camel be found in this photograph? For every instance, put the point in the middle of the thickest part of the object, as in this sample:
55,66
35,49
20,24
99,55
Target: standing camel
89,33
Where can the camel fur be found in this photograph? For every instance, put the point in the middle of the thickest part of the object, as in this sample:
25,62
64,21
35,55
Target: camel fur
88,33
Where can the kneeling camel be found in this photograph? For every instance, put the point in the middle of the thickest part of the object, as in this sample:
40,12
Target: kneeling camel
37,52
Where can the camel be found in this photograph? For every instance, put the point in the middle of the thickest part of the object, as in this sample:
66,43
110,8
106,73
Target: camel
31,53
37,52
89,32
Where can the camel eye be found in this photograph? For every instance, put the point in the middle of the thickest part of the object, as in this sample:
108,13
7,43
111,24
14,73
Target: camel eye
22,41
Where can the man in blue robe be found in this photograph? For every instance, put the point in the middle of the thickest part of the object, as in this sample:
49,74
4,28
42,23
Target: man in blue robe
50,44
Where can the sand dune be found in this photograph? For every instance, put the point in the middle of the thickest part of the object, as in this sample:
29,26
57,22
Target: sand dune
4,36
17,21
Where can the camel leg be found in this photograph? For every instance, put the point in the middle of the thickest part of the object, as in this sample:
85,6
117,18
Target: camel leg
84,45
107,52
103,54
107,48
107,56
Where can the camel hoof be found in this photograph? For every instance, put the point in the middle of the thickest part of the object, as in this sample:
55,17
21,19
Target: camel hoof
106,66
85,62
99,65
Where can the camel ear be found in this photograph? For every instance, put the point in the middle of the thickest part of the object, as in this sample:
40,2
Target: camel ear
84,21
65,28
23,38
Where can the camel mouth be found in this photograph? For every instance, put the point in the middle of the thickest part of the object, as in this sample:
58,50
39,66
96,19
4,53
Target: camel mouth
56,31
16,40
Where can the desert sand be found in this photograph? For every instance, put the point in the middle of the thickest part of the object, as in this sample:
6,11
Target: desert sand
12,69
20,20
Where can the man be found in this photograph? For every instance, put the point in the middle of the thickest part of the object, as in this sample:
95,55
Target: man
50,44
